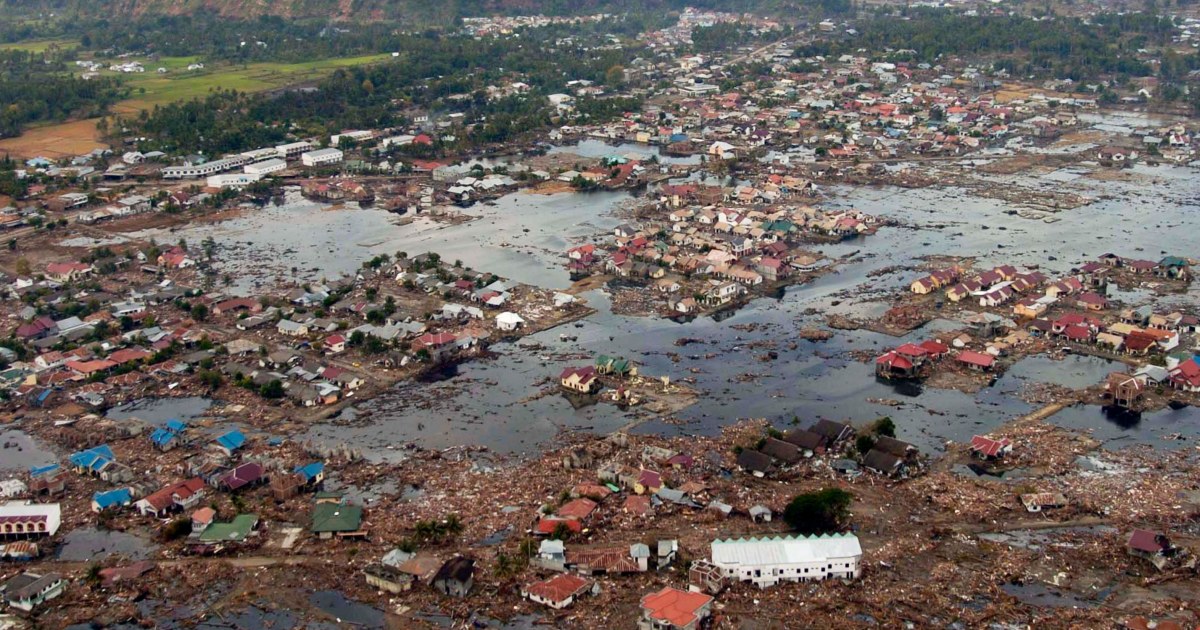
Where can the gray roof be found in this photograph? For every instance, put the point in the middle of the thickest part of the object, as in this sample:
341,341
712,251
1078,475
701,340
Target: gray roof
780,550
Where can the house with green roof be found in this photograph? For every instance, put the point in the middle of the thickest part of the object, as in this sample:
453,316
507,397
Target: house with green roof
1173,267
615,365
233,532
337,519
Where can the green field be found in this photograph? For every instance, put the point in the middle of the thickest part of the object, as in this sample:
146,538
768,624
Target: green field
40,45
178,84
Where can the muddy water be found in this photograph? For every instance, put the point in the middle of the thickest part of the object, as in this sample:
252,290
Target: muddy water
20,452
88,543
157,411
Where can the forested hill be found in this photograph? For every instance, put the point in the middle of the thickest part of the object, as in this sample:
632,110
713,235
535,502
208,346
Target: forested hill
364,10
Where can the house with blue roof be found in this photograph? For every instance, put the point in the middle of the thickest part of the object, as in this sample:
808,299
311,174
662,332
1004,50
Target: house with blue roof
168,436
230,442
313,473
120,497
94,460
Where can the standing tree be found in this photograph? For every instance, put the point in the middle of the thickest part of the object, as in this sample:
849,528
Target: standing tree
818,512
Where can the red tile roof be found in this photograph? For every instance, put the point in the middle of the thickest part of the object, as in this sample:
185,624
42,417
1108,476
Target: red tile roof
676,607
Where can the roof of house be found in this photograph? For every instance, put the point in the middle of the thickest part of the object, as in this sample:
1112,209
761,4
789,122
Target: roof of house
578,509
234,531
987,446
458,568
676,607
754,461
558,588
784,549
232,440
1146,540
980,359
336,517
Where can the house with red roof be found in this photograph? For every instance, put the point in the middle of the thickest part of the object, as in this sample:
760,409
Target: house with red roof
1185,376
989,448
673,609
580,379
66,272
335,344
893,365
976,360
557,592
179,495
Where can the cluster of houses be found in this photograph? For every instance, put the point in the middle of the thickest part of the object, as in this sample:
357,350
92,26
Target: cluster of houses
709,255
887,456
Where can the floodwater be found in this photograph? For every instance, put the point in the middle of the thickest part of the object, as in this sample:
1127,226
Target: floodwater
347,612
20,452
520,236
1146,212
157,411
593,148
86,544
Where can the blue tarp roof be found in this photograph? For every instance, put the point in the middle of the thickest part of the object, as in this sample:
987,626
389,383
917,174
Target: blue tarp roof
162,437
38,471
95,458
176,425
310,471
120,496
232,440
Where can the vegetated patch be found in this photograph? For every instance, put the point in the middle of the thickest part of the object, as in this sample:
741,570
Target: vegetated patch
180,84
55,140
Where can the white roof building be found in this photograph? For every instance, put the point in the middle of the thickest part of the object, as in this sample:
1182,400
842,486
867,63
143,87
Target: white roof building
26,519
767,561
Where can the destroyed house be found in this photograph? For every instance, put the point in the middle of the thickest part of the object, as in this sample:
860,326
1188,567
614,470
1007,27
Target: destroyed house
608,560
804,439
832,432
884,463
456,577
781,450
755,462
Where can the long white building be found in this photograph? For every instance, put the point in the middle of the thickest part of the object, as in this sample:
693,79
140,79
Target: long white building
267,167
768,561
205,169
321,156
23,519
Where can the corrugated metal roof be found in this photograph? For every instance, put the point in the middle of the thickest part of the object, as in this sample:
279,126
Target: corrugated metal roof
784,549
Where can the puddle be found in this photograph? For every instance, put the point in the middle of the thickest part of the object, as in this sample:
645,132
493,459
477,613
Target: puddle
88,543
1046,596
158,411
347,612
20,452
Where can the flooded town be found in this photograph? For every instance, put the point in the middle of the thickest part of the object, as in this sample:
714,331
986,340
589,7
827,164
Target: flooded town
698,319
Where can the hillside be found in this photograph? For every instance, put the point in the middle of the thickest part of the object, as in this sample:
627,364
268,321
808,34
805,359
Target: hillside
353,10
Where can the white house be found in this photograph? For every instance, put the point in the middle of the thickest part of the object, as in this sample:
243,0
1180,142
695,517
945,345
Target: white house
292,149
509,321
321,157
767,561
291,328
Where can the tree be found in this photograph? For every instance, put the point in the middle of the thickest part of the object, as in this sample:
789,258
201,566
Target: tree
818,512
885,426
211,379
614,76
272,390
23,268
199,312
864,443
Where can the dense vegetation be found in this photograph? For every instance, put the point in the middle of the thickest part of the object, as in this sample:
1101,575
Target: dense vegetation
818,512
34,88
408,11
433,73
1059,47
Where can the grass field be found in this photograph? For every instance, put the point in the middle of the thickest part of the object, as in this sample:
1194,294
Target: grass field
151,88
178,84
40,45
